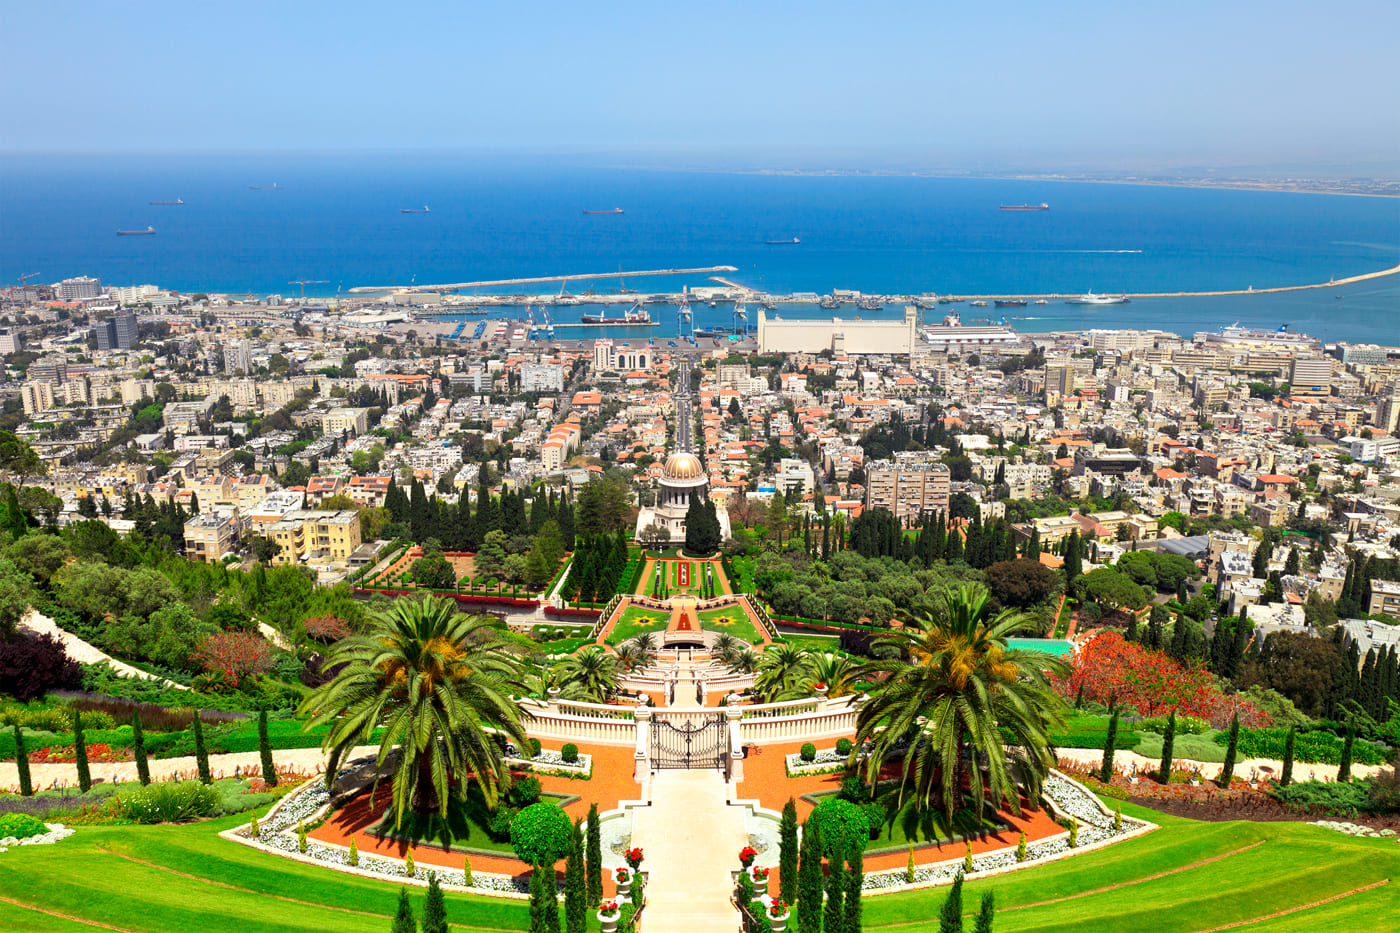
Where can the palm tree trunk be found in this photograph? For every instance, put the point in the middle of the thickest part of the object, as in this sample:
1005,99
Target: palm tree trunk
425,798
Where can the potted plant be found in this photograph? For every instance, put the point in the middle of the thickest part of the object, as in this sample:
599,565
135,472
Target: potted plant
778,914
820,688
609,912
759,876
746,856
633,857
622,877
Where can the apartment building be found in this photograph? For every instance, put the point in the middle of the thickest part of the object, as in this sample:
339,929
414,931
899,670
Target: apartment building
211,535
305,535
907,488
339,420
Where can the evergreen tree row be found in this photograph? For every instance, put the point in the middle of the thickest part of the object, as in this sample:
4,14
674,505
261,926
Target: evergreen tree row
596,572
459,527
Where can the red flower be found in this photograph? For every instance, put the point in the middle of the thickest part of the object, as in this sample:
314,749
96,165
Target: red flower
234,655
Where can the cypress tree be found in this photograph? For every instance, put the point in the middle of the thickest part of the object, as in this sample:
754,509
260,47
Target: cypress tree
594,858
551,901
22,763
201,754
434,908
787,853
1344,769
1228,770
1164,772
269,770
855,880
1109,747
138,749
809,883
835,891
1286,777
575,888
403,918
984,916
950,917
537,900
80,753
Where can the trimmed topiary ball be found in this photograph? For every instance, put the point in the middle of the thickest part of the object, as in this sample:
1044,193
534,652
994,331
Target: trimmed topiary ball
569,753
808,752
842,826
541,834
843,746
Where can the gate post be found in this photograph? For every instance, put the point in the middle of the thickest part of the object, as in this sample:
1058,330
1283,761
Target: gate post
641,766
735,759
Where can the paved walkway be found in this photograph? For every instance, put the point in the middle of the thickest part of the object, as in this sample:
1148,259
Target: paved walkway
1266,767
691,839
84,653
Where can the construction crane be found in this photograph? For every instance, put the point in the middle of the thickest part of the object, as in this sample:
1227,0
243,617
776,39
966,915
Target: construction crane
305,282
23,280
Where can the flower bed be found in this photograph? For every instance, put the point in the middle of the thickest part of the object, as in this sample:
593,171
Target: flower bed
1069,797
310,804
828,761
97,753
552,763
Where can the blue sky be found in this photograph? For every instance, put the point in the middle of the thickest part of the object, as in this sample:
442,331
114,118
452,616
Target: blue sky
1115,84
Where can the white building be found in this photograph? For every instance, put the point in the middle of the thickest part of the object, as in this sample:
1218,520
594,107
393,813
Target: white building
541,377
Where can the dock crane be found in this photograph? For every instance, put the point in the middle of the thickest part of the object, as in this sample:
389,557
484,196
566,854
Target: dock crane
305,282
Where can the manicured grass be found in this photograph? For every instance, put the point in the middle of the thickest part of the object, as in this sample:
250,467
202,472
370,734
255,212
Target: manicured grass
1084,730
210,885
816,642
1297,864
197,881
738,625
466,828
635,620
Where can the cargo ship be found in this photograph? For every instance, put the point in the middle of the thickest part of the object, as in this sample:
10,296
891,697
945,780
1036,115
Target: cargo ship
637,314
173,203
793,242
1042,206
149,231
615,210
415,210
1010,302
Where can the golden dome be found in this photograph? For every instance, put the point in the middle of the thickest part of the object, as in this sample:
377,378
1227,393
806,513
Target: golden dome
682,465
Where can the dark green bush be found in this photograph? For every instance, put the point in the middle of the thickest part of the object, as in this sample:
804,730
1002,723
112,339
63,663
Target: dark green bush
1334,798
841,825
569,753
808,752
499,826
525,791
843,746
541,834
534,748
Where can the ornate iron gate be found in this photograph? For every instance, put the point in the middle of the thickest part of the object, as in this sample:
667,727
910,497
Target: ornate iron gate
697,743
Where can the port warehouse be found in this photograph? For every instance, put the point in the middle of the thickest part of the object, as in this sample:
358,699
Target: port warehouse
837,334
873,337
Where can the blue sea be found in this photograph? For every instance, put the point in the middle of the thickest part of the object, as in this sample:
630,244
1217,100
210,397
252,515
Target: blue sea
337,219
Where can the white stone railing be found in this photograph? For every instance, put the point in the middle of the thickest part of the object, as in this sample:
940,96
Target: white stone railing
583,722
807,720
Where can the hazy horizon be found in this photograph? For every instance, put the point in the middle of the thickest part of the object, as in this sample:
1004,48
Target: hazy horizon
1253,87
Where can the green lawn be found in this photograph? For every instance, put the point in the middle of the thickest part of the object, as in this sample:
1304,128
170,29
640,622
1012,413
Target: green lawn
827,643
1297,864
173,879
200,882
635,620
738,624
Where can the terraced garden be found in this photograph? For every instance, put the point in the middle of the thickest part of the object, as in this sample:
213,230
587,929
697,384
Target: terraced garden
1187,877
731,619
635,620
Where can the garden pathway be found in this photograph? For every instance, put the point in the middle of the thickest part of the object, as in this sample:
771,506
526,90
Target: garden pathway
691,839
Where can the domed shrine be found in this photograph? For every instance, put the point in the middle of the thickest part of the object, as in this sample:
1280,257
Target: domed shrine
682,478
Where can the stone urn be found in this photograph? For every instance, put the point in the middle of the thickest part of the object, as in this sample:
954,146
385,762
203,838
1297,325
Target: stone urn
759,877
622,877
607,920
778,923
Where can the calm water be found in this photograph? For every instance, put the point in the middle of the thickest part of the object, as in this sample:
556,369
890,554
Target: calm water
337,219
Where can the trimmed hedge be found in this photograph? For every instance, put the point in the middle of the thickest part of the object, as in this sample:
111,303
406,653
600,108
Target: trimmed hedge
1317,747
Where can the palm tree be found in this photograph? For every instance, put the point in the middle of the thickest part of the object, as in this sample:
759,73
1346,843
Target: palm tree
952,692
780,672
837,671
589,675
439,684
745,662
627,656
726,647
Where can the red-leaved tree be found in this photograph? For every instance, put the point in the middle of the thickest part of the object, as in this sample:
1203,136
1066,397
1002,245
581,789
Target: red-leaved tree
1113,671
234,655
327,629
